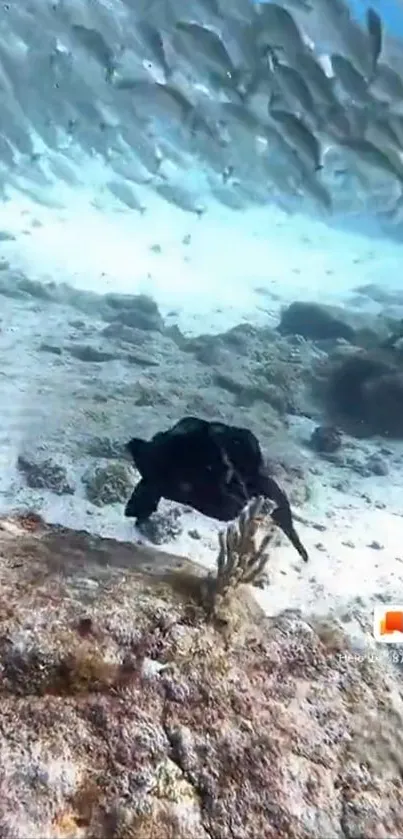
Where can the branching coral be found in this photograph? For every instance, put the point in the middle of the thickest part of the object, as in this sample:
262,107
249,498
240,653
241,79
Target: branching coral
239,559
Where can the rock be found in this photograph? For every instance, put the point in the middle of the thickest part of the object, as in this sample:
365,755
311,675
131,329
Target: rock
105,447
141,360
45,474
138,311
50,348
377,465
124,715
124,334
383,404
84,352
249,392
368,391
315,322
111,484
326,439
163,526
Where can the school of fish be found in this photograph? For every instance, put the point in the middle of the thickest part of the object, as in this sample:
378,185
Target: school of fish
292,102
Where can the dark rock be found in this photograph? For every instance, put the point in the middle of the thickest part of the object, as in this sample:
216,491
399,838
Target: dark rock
377,465
247,393
314,322
110,484
141,360
84,352
162,527
50,348
326,439
368,391
78,324
44,474
208,349
176,336
124,334
383,401
138,311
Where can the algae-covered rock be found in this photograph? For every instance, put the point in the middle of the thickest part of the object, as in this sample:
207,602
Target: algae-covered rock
163,526
125,715
111,484
44,474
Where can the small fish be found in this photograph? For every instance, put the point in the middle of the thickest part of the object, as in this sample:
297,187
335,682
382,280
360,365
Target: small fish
294,87
276,26
157,101
350,38
320,85
387,84
368,153
124,193
96,45
354,84
153,39
181,197
300,137
241,114
375,35
205,40
211,466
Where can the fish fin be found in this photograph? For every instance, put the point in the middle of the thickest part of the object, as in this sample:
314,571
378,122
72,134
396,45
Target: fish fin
142,502
283,518
282,515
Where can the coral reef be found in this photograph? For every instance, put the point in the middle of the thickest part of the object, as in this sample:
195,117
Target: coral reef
240,560
326,439
45,474
110,484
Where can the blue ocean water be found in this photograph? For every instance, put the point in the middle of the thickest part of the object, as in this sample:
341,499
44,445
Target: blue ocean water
390,10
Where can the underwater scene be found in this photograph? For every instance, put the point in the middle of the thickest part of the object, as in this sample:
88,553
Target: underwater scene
201,425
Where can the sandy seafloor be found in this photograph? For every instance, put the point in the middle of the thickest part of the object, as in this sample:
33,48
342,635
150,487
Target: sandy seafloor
237,267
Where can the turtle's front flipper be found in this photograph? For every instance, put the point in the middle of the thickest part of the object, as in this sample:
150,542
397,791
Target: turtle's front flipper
143,502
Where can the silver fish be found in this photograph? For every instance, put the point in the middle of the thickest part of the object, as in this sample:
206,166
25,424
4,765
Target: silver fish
320,85
375,35
124,193
387,84
294,87
208,43
300,137
96,45
354,84
181,197
153,39
277,27
369,154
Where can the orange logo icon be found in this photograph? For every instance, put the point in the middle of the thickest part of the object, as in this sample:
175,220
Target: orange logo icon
388,623
391,622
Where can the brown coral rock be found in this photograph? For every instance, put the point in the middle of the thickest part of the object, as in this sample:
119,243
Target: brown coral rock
124,715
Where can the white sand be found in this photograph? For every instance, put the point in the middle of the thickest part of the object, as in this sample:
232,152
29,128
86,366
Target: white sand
211,284
212,281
